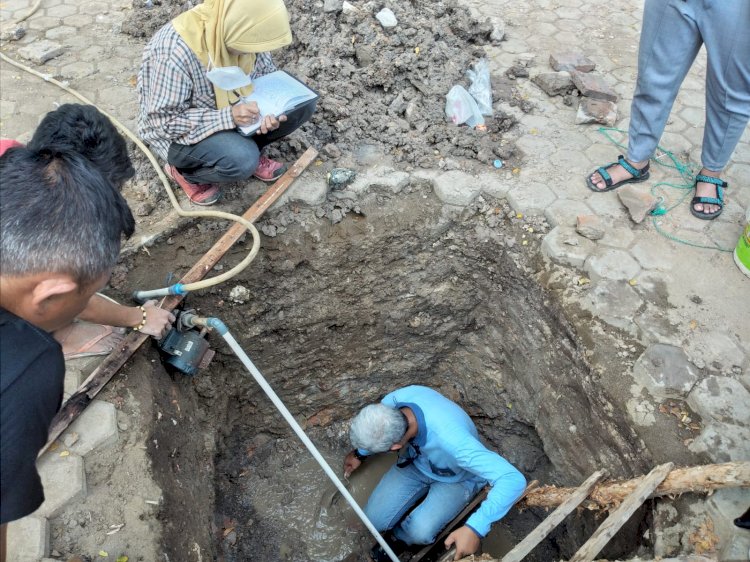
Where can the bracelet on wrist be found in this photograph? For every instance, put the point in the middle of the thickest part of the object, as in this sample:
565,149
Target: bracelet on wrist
142,325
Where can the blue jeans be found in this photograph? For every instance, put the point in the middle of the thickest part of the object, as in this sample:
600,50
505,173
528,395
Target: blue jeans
228,156
401,488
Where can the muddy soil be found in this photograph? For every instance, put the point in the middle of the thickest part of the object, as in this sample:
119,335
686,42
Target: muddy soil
382,90
339,314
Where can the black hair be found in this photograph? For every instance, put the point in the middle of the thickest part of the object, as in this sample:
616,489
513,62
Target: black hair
59,214
83,129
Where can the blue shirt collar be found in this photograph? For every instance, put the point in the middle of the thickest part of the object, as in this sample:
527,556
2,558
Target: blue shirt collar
421,437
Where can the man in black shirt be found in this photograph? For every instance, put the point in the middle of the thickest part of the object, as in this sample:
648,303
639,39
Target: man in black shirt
61,223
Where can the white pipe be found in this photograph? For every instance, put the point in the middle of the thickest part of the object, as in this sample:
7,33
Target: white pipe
309,444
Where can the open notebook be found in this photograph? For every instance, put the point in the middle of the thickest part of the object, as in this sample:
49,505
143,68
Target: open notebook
276,94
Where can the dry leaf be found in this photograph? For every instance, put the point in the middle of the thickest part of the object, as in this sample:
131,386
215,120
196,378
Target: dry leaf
228,530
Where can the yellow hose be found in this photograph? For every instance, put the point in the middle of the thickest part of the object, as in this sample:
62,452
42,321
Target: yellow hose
204,283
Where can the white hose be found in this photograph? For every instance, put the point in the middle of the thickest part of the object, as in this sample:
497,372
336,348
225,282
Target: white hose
204,283
306,440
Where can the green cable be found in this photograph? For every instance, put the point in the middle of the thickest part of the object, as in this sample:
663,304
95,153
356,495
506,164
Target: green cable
687,172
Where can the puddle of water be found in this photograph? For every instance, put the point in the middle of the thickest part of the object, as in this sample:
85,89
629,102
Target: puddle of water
329,527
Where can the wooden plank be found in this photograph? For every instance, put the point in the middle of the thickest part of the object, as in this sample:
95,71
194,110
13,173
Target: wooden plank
698,479
620,516
522,549
479,498
108,368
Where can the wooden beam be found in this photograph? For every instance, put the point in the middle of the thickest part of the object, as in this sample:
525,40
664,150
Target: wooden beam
522,549
620,516
697,479
107,369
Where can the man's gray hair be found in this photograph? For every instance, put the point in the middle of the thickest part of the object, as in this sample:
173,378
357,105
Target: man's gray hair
377,427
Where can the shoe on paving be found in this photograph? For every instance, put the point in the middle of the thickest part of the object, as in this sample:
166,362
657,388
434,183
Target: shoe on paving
198,193
269,170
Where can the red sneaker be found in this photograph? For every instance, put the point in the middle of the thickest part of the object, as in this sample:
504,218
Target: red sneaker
269,170
199,193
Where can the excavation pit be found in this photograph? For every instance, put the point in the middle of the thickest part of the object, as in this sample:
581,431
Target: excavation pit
401,291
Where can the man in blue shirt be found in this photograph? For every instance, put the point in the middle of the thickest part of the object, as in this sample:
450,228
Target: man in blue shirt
441,462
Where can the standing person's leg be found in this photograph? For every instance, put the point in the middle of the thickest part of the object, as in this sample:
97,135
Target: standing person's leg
443,502
725,27
670,41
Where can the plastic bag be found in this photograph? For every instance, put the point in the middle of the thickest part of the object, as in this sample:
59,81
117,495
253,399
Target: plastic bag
481,89
460,107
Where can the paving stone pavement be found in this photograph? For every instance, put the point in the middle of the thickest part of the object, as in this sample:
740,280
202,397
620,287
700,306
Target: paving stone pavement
657,291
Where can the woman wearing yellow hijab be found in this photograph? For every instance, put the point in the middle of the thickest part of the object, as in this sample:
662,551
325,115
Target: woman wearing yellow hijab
191,122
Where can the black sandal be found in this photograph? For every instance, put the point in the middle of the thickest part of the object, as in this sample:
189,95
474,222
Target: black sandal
638,175
721,185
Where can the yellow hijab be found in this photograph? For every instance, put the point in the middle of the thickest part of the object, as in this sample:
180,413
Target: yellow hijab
250,26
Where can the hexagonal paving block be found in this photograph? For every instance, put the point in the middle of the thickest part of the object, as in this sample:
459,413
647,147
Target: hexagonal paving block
78,69
64,481
456,188
563,212
716,351
95,427
721,399
564,245
607,205
611,264
724,234
723,442
530,197
665,371
723,507
28,539
655,252
656,327
535,145
618,236
613,302
79,20
60,32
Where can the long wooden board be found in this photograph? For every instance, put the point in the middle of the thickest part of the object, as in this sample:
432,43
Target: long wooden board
108,368
620,516
522,549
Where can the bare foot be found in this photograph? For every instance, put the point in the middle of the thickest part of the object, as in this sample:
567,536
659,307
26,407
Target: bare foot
617,173
705,189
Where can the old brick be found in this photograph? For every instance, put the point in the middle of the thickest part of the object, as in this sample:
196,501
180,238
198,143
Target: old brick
637,201
554,83
592,110
590,226
571,61
593,85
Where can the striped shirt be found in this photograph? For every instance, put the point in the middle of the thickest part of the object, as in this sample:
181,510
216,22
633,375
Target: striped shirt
177,101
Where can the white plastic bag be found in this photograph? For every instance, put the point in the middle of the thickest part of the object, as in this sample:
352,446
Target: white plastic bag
481,89
460,107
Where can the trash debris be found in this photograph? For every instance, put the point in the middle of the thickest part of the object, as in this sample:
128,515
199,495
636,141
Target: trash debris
387,18
498,163
339,178
480,88
239,294
461,107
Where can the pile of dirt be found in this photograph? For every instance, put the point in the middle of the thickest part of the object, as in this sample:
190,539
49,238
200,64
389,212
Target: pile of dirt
378,86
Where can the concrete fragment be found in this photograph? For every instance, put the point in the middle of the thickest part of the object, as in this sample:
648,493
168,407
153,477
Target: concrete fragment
498,30
592,85
64,481
637,201
41,51
665,371
590,226
239,294
591,110
330,6
96,427
557,248
349,8
457,188
387,18
28,539
721,399
553,83
14,34
380,178
571,61
612,264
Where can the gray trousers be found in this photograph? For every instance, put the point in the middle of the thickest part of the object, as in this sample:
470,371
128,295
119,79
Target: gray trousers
673,32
